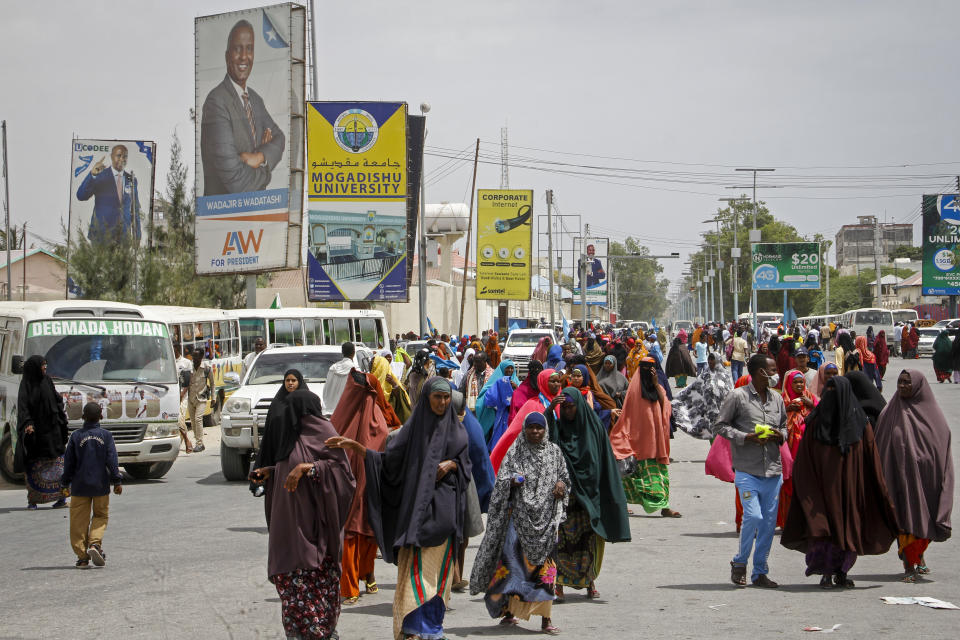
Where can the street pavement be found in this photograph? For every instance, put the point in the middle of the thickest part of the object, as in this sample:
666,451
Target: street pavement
187,559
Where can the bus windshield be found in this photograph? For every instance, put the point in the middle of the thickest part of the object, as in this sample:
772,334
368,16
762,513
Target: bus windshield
269,368
904,315
103,350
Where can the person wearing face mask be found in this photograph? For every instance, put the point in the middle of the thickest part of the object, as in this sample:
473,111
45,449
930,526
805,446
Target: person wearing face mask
757,464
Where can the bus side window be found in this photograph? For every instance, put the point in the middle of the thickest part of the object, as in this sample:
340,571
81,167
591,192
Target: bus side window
367,331
328,337
381,334
341,330
310,331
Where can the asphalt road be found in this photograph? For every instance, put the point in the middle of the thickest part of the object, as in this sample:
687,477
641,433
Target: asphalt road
187,559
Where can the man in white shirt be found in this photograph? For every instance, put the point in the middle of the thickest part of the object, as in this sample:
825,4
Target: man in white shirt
337,378
258,345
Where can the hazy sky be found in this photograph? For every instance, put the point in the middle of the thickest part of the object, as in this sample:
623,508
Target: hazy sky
662,100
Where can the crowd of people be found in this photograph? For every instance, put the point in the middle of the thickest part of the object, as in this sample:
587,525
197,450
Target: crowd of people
403,460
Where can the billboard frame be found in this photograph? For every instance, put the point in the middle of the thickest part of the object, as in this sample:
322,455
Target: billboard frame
781,284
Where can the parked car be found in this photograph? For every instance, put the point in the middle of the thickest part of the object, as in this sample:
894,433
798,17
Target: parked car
952,326
927,337
244,414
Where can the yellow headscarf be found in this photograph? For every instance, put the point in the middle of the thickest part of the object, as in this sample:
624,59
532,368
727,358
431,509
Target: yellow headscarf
380,368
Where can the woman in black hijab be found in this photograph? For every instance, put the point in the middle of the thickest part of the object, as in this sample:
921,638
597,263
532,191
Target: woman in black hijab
416,500
273,432
840,507
41,435
867,395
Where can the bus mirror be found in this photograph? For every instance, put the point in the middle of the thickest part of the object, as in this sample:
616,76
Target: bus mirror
16,364
231,377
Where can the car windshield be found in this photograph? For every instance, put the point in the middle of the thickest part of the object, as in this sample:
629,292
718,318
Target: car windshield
103,350
525,339
270,367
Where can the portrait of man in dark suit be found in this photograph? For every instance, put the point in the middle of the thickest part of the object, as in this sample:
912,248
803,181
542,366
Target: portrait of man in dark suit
116,203
240,144
595,271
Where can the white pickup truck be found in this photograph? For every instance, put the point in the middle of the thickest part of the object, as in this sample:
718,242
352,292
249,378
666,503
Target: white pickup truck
520,345
245,412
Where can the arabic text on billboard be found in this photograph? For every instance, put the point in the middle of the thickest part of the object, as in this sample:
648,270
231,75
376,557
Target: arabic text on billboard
249,86
111,188
786,265
504,239
941,245
595,250
357,195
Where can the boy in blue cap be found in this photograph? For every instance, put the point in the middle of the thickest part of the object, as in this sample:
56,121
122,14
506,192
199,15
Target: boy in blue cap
89,466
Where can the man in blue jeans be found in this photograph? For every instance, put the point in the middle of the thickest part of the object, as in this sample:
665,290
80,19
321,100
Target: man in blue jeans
756,461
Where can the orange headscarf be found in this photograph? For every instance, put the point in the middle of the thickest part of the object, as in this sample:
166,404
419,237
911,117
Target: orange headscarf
643,430
492,350
865,354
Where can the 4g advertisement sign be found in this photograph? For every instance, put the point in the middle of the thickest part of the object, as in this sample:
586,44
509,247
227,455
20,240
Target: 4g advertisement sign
786,265
941,244
504,239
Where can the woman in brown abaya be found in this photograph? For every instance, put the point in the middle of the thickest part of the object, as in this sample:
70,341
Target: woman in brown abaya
840,507
309,489
913,439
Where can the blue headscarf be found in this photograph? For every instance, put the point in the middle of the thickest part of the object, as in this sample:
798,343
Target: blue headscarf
555,358
535,417
488,414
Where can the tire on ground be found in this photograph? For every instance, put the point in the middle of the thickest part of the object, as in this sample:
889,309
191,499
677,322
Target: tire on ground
234,463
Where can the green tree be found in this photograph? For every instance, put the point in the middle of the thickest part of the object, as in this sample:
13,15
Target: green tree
907,251
643,292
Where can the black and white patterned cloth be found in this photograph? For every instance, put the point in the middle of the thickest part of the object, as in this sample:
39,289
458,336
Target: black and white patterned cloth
696,407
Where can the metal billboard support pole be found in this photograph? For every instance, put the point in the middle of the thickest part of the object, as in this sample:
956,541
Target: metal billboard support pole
583,274
466,260
549,257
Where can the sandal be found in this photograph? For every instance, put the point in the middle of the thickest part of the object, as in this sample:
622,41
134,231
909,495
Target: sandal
670,513
738,574
548,628
559,597
826,582
349,602
910,577
923,569
509,620
372,587
842,581
592,592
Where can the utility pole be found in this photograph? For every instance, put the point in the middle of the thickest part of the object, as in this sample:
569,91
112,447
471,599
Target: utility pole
735,254
876,259
466,260
553,317
754,237
826,266
6,211
583,273
711,275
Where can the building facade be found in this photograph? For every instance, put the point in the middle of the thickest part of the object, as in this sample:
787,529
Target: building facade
856,244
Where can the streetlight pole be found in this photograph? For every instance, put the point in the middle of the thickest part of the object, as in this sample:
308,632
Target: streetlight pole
720,265
422,254
754,237
735,254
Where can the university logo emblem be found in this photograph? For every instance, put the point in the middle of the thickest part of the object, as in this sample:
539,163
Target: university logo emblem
355,130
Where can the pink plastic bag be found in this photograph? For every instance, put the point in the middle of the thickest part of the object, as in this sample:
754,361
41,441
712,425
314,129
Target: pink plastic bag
719,462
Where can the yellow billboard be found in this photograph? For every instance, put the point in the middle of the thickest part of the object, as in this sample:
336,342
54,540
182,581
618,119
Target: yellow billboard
357,200
504,240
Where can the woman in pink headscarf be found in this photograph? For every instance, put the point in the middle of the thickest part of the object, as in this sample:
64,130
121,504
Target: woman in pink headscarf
548,382
799,402
542,349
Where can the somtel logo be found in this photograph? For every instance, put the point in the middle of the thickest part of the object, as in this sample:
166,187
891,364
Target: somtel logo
235,242
485,290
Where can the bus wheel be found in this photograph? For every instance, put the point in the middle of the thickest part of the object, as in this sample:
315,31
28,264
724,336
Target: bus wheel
148,470
6,461
234,463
